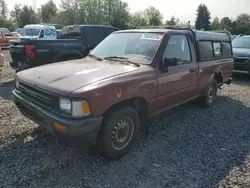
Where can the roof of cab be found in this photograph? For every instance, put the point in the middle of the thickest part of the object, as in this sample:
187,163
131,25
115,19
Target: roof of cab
38,26
144,31
107,26
212,36
200,35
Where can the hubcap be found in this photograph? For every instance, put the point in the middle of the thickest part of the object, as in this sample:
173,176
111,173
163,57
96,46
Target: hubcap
210,94
122,133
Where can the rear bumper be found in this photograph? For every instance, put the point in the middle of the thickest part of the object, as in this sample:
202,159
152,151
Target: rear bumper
86,129
19,66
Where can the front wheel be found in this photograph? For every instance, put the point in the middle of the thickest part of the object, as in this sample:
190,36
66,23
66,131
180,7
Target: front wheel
210,93
118,132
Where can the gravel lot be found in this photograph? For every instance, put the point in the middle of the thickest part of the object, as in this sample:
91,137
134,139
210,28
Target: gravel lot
187,147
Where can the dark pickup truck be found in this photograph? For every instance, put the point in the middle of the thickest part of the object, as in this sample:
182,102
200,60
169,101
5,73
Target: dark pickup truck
75,42
107,97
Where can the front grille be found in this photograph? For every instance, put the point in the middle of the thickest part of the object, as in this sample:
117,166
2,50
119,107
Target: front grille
38,96
241,60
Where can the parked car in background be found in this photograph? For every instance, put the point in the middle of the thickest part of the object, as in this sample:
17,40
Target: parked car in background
38,32
107,97
2,58
5,31
57,26
16,32
241,52
6,38
76,41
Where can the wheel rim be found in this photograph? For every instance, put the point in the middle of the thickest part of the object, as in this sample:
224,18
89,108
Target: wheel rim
210,95
122,133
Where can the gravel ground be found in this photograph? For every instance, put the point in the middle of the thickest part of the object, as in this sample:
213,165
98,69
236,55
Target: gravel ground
187,147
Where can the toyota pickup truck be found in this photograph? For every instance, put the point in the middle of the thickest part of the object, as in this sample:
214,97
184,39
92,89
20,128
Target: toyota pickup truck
75,42
106,98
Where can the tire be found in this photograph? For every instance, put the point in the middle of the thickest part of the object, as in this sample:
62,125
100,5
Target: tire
118,132
210,94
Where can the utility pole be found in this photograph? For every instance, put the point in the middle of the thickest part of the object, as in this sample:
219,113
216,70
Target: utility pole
34,4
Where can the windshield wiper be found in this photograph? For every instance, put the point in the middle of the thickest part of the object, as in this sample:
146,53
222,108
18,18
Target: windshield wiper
95,57
121,59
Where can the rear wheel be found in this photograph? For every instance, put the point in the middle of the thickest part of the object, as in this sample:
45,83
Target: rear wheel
118,132
210,93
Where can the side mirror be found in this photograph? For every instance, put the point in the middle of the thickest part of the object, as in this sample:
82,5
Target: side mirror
169,62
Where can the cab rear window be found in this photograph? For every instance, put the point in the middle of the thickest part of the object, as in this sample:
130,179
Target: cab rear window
213,50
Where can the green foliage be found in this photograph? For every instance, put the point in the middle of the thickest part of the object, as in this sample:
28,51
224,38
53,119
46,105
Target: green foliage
112,12
203,18
6,23
15,14
48,12
172,21
216,24
153,16
3,9
27,16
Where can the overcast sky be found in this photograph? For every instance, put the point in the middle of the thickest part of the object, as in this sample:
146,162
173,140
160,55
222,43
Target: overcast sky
185,10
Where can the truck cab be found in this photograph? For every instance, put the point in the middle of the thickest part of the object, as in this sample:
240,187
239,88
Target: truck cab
107,97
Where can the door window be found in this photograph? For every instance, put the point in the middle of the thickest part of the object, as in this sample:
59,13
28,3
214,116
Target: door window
178,48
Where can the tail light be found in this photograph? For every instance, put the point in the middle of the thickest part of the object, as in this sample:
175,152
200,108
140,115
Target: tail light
29,51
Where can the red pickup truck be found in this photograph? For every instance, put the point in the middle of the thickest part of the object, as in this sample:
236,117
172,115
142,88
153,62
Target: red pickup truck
107,97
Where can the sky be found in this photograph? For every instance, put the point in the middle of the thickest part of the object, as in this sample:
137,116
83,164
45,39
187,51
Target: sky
185,10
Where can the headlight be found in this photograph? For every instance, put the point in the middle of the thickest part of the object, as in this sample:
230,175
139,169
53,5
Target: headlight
75,108
16,84
65,105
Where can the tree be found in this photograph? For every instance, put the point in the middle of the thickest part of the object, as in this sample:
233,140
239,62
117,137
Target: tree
6,23
243,24
172,21
120,15
27,16
15,14
216,24
3,9
48,11
153,16
203,18
226,23
137,20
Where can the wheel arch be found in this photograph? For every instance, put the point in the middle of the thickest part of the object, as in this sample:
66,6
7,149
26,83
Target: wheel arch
141,106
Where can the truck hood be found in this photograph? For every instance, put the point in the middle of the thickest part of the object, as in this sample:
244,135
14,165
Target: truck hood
241,52
65,77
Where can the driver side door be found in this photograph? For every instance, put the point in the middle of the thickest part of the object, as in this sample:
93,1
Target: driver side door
178,83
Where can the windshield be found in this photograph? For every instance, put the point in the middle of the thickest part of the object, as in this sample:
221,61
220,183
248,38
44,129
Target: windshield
30,32
139,47
18,30
241,42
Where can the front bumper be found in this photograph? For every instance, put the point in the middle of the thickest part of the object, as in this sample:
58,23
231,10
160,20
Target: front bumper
87,129
2,60
242,64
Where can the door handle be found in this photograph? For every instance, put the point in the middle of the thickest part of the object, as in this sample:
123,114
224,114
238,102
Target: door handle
191,70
